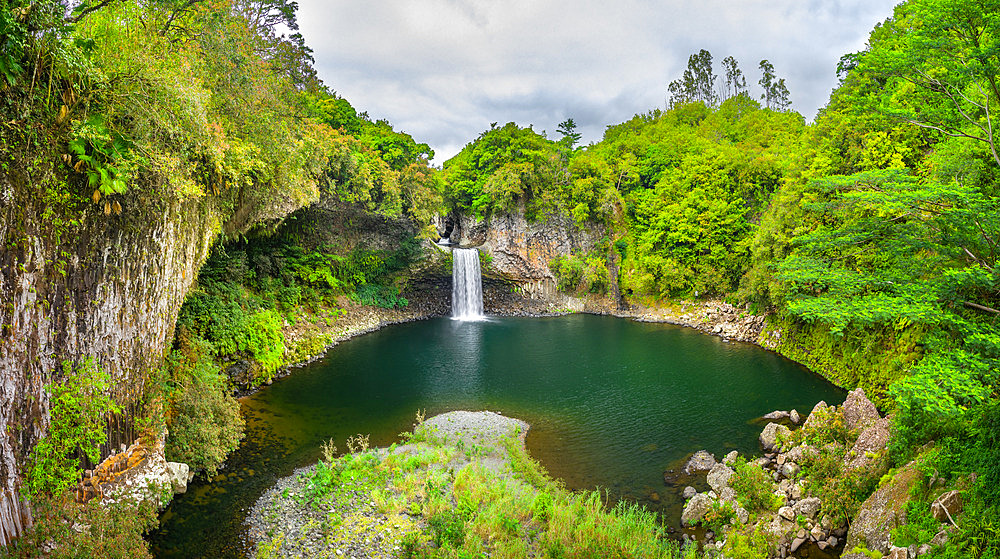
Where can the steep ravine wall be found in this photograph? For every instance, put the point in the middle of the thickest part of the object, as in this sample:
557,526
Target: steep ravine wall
77,283
521,249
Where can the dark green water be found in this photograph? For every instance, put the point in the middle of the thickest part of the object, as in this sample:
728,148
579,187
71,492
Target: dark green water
612,403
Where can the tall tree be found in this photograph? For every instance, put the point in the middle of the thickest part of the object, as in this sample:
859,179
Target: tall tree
735,81
937,65
570,137
697,83
775,95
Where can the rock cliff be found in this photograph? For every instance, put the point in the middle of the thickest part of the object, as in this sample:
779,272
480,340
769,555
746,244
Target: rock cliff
78,282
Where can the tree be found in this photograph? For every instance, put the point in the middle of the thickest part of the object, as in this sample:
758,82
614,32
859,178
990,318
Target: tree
736,83
570,137
775,93
936,64
697,83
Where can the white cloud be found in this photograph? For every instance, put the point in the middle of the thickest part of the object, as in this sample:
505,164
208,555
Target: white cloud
443,70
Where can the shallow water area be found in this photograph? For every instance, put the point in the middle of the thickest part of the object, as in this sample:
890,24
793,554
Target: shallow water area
612,403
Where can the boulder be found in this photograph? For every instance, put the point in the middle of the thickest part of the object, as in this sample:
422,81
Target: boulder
872,441
801,452
727,495
730,458
689,492
796,544
772,433
808,507
718,478
883,510
794,417
788,513
859,411
695,509
790,470
817,534
776,414
945,507
177,472
701,461
813,418
939,539
897,553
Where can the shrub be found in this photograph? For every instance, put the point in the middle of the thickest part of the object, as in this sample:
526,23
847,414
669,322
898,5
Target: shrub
205,423
568,271
596,276
754,488
78,404
114,530
448,527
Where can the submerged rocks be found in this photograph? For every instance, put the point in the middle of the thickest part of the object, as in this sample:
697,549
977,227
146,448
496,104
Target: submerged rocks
772,434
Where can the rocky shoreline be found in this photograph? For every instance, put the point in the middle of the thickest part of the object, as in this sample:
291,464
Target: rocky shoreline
803,513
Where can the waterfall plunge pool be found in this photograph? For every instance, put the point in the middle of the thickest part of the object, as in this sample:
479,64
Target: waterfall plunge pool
612,403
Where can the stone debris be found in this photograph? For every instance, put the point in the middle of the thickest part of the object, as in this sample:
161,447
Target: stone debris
771,434
945,507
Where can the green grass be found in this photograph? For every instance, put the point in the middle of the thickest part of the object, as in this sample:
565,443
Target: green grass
466,507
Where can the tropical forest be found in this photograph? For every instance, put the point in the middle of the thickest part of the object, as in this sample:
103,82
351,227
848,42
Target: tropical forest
242,317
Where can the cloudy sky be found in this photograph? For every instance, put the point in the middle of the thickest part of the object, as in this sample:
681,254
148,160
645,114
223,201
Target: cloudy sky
444,70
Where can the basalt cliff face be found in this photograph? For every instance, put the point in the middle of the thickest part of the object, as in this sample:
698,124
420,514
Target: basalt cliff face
521,249
80,282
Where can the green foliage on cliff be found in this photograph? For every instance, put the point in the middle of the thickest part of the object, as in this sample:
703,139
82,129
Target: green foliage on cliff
204,423
193,100
78,404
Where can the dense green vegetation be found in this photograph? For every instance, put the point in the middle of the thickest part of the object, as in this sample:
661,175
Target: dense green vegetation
118,108
872,235
445,500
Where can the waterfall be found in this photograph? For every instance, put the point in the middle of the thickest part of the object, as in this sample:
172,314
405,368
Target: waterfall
466,285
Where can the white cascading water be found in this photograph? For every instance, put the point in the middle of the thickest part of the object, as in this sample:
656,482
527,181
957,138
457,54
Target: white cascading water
466,285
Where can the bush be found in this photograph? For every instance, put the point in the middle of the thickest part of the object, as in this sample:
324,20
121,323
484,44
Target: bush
568,271
596,276
754,488
449,527
78,405
205,424
114,530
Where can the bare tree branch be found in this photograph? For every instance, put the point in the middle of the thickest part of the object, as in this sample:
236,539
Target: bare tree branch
980,307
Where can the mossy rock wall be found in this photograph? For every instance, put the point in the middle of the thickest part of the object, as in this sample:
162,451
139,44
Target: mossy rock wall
79,282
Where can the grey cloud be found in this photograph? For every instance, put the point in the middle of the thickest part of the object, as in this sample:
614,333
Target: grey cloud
443,70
